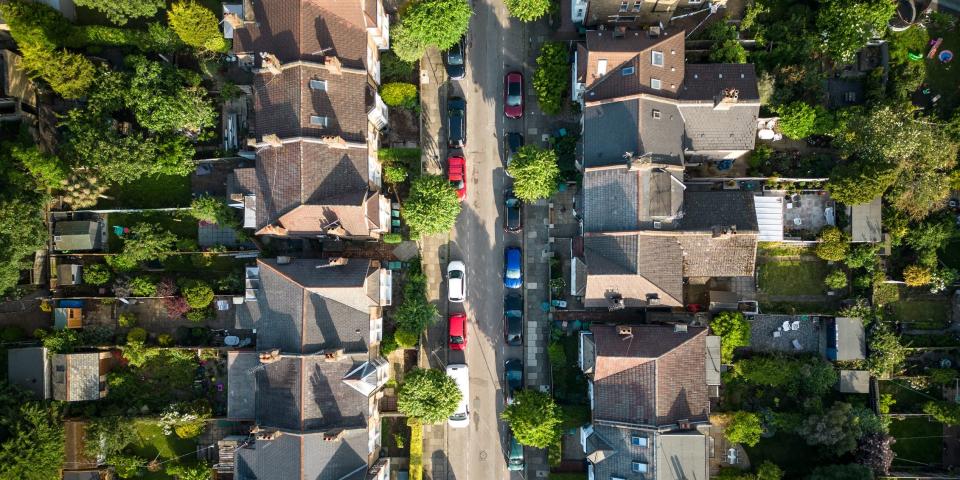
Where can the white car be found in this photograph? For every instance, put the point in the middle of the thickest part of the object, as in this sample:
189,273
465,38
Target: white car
460,375
456,281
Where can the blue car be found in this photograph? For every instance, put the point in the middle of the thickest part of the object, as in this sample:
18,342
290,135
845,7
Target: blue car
512,275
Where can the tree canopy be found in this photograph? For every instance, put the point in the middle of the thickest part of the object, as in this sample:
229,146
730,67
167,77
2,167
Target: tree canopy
428,395
734,332
552,77
120,11
197,26
846,25
534,418
432,206
31,435
726,46
535,173
809,376
528,10
22,230
833,245
744,427
429,23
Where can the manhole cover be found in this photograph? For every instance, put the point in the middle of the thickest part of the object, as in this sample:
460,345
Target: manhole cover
483,454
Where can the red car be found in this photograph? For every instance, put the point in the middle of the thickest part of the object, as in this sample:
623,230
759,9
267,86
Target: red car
457,174
513,95
458,331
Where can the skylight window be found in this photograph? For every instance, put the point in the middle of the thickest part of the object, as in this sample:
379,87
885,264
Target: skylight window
319,121
319,85
638,467
656,58
655,83
627,71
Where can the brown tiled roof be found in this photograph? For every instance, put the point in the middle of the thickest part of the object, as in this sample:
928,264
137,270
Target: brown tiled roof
654,377
634,50
305,30
725,256
634,266
284,103
705,81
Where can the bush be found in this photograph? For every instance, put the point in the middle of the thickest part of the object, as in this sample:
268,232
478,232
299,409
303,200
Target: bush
406,338
11,333
394,174
917,276
944,412
833,244
550,80
745,428
197,293
127,320
432,206
392,238
137,334
836,280
393,69
388,344
98,274
213,210
165,340
734,332
176,307
143,286
197,26
200,315
402,95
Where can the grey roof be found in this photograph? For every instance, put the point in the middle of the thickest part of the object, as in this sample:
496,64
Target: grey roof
29,369
241,384
705,210
75,235
704,81
307,306
851,339
866,221
76,377
308,394
713,360
619,199
610,130
682,456
854,381
661,137
619,464
655,258
716,129
304,457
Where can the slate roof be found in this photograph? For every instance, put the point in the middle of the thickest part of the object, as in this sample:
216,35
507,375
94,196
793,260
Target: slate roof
851,343
704,210
610,130
241,384
76,377
304,457
307,306
635,267
704,81
650,378
854,381
29,369
308,173
617,199
305,30
619,463
284,103
75,235
725,256
866,221
711,129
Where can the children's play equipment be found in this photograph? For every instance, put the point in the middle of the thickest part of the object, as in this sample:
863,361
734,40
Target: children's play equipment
945,56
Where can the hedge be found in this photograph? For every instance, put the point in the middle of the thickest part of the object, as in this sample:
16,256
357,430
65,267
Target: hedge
416,449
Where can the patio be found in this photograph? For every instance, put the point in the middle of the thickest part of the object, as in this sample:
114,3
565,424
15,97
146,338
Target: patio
787,333
807,213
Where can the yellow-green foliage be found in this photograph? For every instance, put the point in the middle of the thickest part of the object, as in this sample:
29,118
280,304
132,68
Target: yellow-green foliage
416,449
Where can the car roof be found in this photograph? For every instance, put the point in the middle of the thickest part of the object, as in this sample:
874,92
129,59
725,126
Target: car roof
512,301
513,256
457,161
514,76
457,322
456,265
456,102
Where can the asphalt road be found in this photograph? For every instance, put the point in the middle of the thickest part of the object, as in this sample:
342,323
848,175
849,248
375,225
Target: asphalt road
494,47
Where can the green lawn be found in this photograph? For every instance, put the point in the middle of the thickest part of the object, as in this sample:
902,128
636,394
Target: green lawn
155,191
918,440
181,224
944,78
908,400
792,277
154,444
778,249
922,314
790,452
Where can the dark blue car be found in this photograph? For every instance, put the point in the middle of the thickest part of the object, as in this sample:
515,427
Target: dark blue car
512,275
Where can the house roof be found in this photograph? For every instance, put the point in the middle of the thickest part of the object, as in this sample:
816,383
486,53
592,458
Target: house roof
712,129
241,385
305,30
705,81
713,360
333,183
854,381
704,210
76,376
850,339
650,378
634,266
309,305
682,456
621,199
609,131
29,369
866,221
304,457
724,256
75,235
617,461
633,50
285,103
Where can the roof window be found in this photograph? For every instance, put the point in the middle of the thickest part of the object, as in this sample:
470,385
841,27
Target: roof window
320,85
638,467
627,71
319,120
602,66
655,83
638,441
655,113
656,58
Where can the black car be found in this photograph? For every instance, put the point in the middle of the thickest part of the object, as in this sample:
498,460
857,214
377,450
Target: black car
456,122
512,377
456,60
513,319
514,221
513,143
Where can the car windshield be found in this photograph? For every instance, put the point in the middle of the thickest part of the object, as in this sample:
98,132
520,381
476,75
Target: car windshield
456,274
513,272
513,375
513,216
458,416
455,56
457,184
456,340
513,94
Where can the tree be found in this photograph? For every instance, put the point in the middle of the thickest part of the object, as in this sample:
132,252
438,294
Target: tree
120,11
886,353
127,466
97,274
944,412
841,472
213,210
163,101
929,236
810,376
430,23
33,450
726,46
146,242
917,276
402,95
69,74
47,170
534,418
837,428
535,173
109,436
797,120
836,280
769,471
528,10
846,25
734,332
432,206
551,78
745,428
875,453
428,395
833,244
61,341
862,256
197,26
198,293
143,286
856,182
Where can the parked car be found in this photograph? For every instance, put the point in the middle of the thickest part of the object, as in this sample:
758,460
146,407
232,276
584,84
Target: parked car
512,377
515,455
456,122
457,174
512,271
456,281
513,141
456,60
457,328
514,207
513,95
513,319
461,376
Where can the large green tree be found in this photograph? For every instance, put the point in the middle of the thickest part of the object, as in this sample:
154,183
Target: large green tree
535,173
120,11
432,206
846,25
744,427
809,376
528,10
837,428
734,331
726,46
163,101
430,23
197,26
145,242
32,437
887,354
22,201
552,77
534,418
428,395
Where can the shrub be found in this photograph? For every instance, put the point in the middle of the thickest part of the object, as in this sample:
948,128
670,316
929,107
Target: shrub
200,315
432,206
197,26
917,276
143,286
97,274
745,428
393,69
213,210
550,80
392,238
388,344
836,280
833,244
394,174
176,307
402,95
127,320
734,332
197,293
944,412
11,333
406,338
137,334
165,340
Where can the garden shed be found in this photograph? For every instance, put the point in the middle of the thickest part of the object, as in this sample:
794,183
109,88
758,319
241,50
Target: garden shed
865,222
854,381
76,235
29,369
846,339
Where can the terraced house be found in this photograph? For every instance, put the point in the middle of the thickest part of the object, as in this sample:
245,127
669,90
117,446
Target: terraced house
316,120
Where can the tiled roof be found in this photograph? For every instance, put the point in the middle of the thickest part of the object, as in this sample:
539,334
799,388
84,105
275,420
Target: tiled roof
285,103
650,377
712,129
304,457
609,131
661,138
704,81
619,464
705,210
633,50
304,30
76,376
635,267
307,306
724,256
610,200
